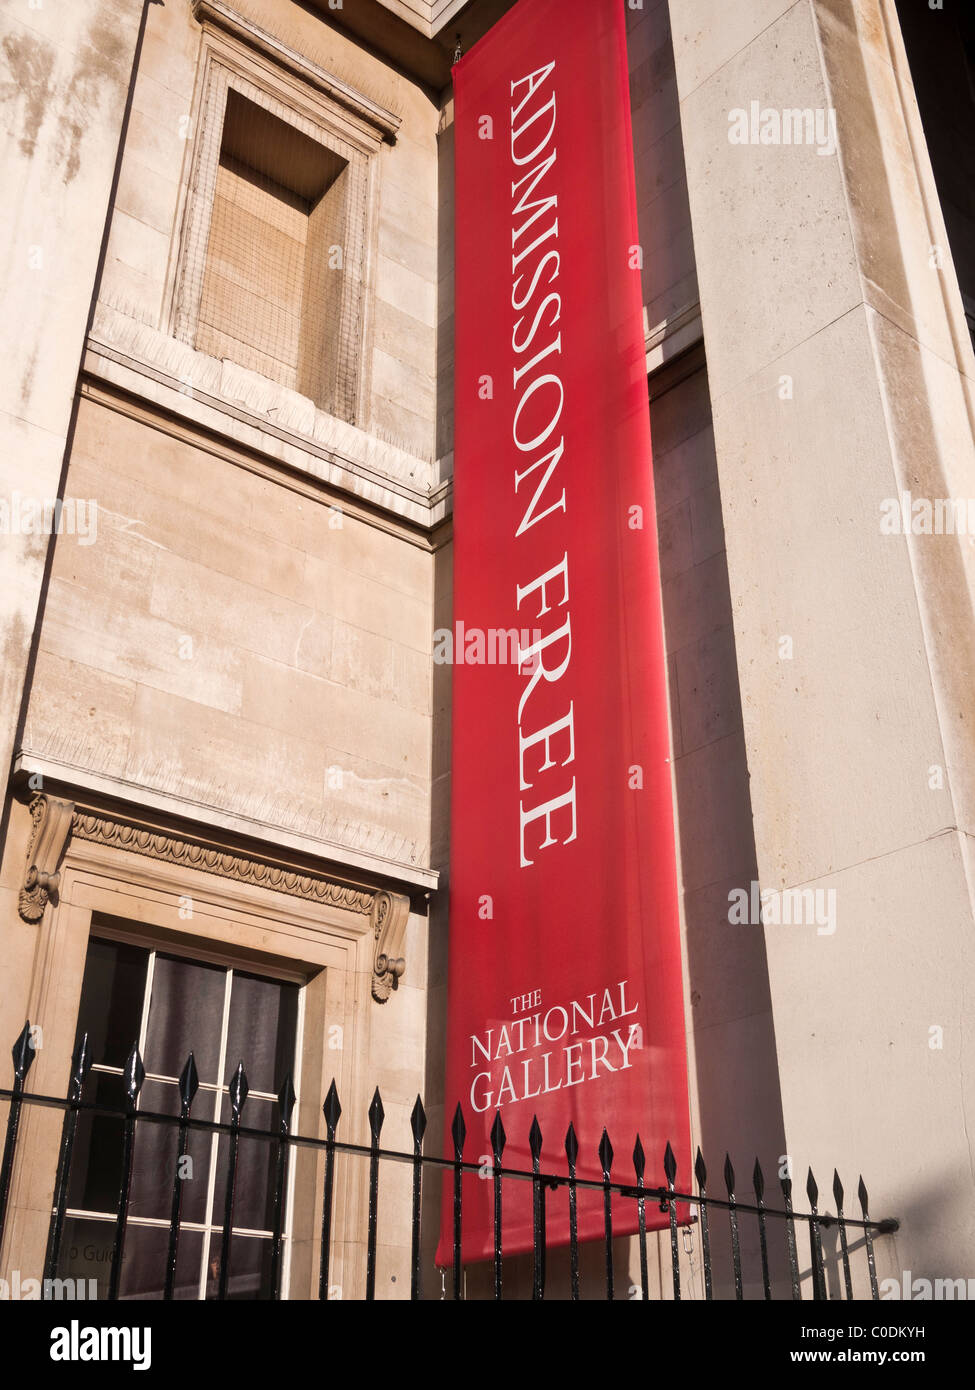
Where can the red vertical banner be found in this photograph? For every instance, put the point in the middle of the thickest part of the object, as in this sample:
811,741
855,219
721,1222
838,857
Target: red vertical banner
565,996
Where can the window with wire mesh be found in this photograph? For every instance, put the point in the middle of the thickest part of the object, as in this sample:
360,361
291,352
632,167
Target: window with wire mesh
280,292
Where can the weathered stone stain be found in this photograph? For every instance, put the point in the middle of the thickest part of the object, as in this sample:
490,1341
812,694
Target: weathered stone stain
102,66
27,380
101,73
30,63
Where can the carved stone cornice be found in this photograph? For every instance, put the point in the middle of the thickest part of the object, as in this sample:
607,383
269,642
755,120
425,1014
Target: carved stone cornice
55,821
390,913
245,868
377,118
49,835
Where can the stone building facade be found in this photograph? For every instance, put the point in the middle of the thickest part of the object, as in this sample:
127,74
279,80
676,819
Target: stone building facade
228,292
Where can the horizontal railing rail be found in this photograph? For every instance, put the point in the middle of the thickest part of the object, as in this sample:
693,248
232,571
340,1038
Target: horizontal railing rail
666,1196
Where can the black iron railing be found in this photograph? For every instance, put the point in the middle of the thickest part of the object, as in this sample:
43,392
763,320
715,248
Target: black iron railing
668,1197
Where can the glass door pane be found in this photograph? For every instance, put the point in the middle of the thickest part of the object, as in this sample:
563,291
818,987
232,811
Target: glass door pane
185,1015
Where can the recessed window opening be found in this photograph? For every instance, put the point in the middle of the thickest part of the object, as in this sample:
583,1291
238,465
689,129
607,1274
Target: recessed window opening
274,281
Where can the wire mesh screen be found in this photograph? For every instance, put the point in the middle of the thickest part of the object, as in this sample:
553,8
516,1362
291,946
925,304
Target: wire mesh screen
271,277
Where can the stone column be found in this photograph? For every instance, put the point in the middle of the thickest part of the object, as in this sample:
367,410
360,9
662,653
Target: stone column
64,75
841,375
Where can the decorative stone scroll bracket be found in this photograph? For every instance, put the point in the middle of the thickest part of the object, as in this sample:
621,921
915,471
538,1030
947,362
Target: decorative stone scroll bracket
390,913
52,826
